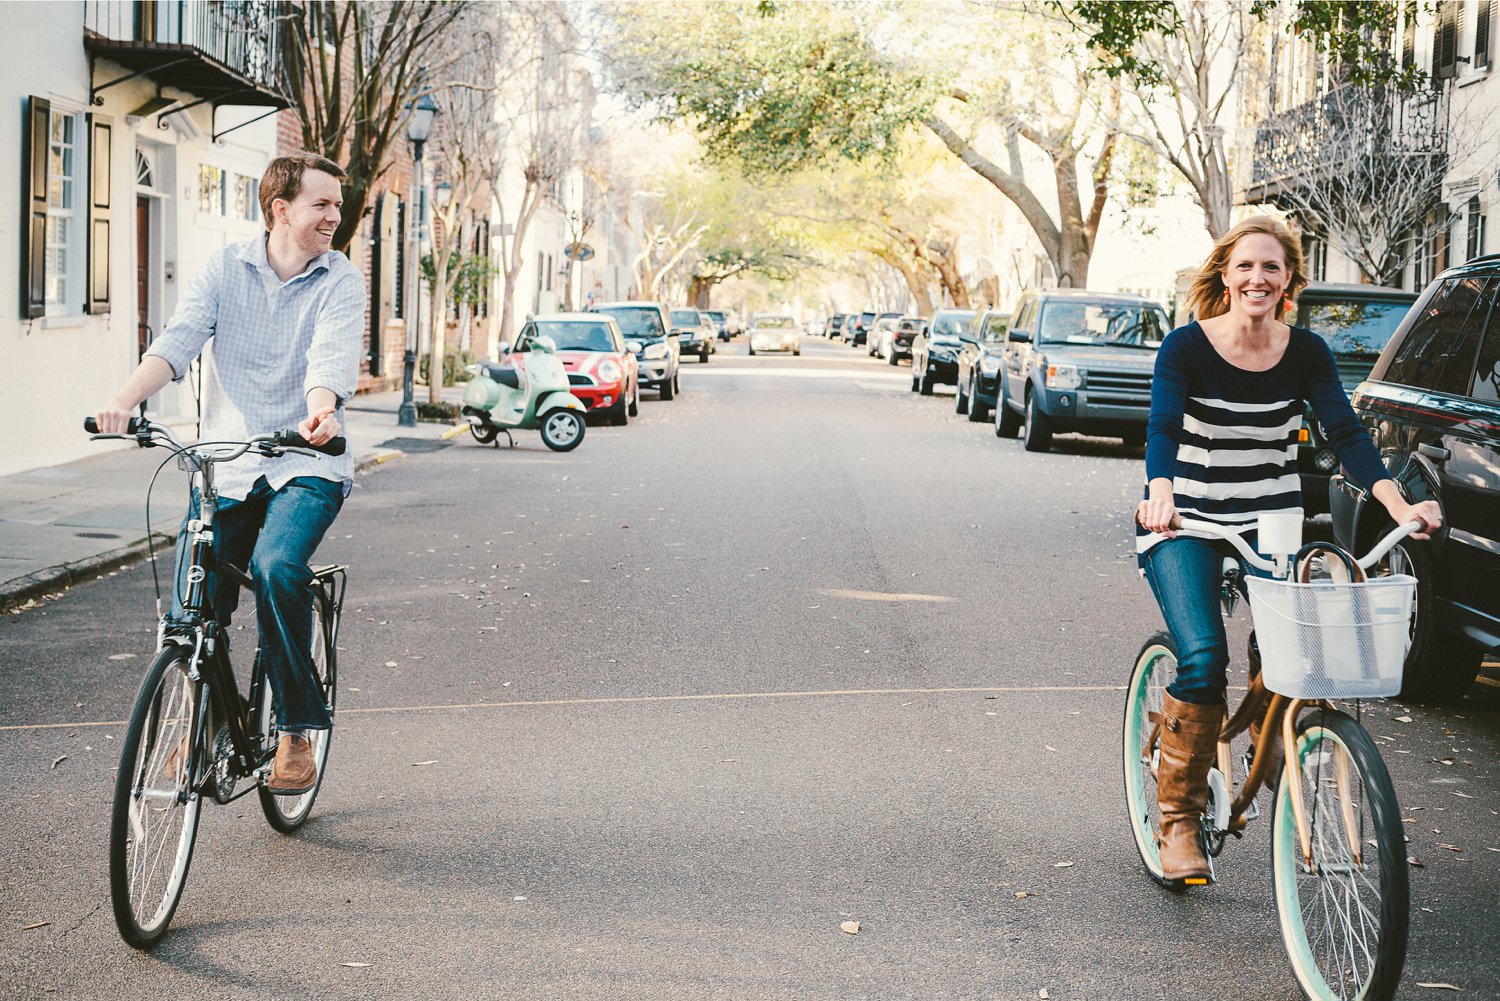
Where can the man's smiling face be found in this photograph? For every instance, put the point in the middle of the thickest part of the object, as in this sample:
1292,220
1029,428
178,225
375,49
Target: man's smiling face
313,215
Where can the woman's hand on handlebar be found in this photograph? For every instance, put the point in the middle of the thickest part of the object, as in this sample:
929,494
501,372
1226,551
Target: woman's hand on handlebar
112,419
1427,512
1158,511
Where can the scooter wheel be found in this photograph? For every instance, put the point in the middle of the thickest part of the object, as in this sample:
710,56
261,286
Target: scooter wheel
483,433
562,430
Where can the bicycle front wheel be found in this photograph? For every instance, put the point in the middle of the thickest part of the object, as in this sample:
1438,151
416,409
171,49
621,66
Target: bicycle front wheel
1343,917
1155,666
287,813
155,816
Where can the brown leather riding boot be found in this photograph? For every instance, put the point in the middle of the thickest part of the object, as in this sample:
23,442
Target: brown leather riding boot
294,771
1188,741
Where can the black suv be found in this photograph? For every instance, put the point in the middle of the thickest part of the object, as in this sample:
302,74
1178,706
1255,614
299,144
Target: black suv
1432,405
1357,321
1078,361
978,368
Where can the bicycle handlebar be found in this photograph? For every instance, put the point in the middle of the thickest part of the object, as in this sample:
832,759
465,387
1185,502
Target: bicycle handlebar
1380,548
277,439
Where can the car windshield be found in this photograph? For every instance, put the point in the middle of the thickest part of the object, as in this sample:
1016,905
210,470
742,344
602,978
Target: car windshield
1116,324
640,323
717,316
775,323
909,325
948,326
1355,328
574,335
685,318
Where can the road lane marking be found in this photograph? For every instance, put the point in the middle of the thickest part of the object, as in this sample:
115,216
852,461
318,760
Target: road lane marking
839,592
643,699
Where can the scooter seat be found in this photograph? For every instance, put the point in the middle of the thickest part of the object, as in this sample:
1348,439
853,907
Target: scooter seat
505,375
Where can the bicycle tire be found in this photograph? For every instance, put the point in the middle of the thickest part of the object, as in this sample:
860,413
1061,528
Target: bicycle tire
287,813
1334,958
153,827
1155,666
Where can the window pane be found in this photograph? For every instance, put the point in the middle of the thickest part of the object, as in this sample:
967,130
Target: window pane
1437,351
1487,370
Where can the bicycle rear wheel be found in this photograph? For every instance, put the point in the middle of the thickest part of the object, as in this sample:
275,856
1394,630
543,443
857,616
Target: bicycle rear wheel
1344,918
1155,666
155,816
287,813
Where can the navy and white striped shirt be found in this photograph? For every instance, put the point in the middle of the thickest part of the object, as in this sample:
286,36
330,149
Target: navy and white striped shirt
1227,437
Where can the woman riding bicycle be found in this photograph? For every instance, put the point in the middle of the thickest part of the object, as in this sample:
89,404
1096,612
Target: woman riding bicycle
1227,402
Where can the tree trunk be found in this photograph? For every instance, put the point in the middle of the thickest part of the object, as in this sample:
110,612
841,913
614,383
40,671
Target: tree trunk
439,325
949,275
701,290
914,280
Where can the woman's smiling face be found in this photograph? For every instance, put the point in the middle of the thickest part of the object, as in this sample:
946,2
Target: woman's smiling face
1257,275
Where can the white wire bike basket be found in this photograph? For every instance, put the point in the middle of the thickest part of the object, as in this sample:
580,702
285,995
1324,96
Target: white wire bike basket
1332,639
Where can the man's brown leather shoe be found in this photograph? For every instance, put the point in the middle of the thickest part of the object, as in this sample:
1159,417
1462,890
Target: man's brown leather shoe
293,772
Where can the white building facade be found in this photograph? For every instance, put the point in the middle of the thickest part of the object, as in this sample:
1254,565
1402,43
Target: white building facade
137,163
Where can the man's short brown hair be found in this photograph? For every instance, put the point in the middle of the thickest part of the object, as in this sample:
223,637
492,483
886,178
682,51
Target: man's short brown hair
283,178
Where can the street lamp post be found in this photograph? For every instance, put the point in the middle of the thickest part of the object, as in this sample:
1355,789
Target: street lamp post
417,130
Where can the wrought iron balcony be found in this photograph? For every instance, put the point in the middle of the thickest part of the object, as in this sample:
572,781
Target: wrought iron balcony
222,51
1325,137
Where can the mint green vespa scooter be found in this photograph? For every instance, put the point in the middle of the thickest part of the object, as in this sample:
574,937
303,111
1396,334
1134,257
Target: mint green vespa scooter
531,392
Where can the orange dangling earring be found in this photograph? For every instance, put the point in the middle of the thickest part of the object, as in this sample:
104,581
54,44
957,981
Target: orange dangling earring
1288,303
1226,297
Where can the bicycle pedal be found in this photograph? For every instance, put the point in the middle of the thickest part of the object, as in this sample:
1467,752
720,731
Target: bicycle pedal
1196,881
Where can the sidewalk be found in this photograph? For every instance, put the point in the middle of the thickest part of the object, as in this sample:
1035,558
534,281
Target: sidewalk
62,525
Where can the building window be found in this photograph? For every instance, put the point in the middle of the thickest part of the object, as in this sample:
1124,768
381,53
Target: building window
65,250
1484,14
246,198
1431,248
211,182
1474,246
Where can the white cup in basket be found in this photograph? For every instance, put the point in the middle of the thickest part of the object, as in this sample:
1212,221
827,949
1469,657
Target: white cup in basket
1279,533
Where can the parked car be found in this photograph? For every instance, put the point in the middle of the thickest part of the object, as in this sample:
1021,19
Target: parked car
720,320
695,333
834,326
1432,405
884,324
1357,321
774,332
846,332
1079,361
895,342
862,324
934,351
649,338
602,372
977,372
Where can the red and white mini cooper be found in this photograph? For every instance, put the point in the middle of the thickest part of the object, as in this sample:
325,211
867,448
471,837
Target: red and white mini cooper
601,372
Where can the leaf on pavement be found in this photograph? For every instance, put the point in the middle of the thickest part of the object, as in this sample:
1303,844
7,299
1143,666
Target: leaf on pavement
1440,987
121,656
1043,992
1061,865
1416,862
1022,894
419,764
1451,848
850,927
1403,719
355,966
390,663
35,925
1462,795
59,760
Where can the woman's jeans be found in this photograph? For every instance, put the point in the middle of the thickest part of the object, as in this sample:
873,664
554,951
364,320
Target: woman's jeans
1186,575
272,535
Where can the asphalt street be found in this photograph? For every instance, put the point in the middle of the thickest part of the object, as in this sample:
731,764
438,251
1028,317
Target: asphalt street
655,718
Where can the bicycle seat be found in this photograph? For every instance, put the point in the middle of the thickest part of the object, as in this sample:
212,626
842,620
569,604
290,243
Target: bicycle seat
505,375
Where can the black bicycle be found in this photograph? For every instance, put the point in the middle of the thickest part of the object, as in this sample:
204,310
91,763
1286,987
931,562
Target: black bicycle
192,735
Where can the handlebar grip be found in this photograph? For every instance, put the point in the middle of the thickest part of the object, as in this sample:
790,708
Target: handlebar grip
333,446
136,425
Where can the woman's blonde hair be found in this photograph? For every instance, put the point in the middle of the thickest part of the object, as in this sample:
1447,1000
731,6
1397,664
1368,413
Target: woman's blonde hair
1207,297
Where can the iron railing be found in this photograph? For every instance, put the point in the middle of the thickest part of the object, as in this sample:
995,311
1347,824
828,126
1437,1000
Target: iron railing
243,35
1346,124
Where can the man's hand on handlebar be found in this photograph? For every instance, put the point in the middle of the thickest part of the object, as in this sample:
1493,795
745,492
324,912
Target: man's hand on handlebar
321,426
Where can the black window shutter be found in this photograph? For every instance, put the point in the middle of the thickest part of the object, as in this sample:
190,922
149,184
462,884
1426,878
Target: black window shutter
1409,41
34,208
101,150
1445,41
1482,33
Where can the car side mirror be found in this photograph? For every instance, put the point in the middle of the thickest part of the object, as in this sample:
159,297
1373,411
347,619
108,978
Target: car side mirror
1019,336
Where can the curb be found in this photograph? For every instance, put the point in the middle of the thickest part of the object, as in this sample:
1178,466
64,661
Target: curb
23,590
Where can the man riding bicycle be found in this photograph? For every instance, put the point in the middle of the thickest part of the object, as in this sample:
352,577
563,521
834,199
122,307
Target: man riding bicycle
279,322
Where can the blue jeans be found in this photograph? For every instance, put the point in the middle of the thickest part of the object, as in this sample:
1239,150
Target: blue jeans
272,534
1185,575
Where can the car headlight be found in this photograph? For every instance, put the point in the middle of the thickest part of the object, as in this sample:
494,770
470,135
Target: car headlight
655,351
1063,377
609,370
989,364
